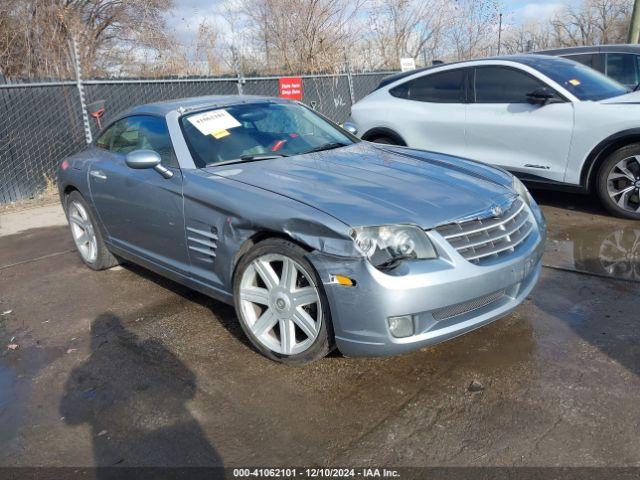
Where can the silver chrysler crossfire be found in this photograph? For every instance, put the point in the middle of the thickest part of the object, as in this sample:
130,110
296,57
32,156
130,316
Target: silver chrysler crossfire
318,238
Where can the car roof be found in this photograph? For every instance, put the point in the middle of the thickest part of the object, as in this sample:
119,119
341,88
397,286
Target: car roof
531,60
622,48
397,76
194,103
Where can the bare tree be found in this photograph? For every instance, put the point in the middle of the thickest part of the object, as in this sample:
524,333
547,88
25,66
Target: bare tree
527,37
34,34
405,28
305,36
473,27
592,22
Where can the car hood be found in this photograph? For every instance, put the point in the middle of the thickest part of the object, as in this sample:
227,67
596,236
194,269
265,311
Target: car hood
364,184
632,97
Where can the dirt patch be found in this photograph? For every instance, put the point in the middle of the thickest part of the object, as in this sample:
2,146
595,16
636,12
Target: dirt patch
45,198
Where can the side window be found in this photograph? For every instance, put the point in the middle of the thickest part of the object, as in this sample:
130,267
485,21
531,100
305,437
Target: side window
503,85
139,133
443,87
588,59
153,134
104,141
623,67
125,137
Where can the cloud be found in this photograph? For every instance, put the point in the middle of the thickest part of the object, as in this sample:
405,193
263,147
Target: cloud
539,11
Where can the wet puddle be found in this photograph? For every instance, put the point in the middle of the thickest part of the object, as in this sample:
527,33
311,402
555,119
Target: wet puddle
10,409
612,251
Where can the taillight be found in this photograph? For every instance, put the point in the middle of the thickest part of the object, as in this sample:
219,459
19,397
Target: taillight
64,165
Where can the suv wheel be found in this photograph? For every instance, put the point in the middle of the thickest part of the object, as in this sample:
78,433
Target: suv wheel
618,182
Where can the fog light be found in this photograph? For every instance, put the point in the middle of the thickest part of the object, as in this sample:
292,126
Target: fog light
402,326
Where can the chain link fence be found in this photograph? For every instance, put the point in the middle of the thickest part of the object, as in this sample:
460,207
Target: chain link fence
41,123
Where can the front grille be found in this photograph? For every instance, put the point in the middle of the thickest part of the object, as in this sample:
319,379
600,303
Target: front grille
480,240
460,308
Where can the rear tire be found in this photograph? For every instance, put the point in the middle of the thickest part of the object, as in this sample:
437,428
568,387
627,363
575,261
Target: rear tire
281,304
618,182
86,234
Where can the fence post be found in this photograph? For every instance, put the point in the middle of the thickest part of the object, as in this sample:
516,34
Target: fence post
240,82
349,79
236,64
83,106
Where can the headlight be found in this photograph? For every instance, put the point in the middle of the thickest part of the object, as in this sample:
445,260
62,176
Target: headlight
384,246
521,190
526,196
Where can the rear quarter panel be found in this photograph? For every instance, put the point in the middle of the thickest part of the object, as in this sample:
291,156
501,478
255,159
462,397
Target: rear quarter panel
74,176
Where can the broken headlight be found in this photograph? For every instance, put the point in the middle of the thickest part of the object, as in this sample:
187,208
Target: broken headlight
521,190
386,245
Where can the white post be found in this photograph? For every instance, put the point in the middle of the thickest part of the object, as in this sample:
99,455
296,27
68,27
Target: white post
352,96
236,64
83,106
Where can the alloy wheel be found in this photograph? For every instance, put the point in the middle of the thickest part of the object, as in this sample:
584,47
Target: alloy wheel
623,184
280,304
619,254
83,232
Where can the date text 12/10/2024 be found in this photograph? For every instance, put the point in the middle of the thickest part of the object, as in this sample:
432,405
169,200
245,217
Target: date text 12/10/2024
315,473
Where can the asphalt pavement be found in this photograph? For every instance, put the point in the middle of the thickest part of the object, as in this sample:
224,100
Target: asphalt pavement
123,367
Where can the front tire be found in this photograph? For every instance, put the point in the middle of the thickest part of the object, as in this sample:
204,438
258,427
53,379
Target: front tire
618,182
86,234
281,304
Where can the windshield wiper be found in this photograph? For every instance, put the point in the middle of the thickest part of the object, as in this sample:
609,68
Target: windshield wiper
262,156
326,146
250,158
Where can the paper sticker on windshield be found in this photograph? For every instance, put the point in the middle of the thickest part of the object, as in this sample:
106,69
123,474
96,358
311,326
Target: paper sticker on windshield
574,82
220,134
214,121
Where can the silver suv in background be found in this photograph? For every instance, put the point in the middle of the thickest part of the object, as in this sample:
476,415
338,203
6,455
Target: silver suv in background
550,121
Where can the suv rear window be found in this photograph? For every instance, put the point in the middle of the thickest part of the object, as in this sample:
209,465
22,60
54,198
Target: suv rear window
588,59
442,87
624,67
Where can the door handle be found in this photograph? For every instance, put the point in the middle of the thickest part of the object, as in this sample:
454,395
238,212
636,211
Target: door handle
98,174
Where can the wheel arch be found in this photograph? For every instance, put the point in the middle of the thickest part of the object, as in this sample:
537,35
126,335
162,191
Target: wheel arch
66,191
378,132
259,236
70,188
602,151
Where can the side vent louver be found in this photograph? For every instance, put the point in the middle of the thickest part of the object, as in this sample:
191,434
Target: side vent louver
203,242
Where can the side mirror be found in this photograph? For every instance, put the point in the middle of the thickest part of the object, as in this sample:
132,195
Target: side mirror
542,96
350,127
142,159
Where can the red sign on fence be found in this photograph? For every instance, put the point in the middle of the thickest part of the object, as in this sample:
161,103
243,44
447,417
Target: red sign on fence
291,88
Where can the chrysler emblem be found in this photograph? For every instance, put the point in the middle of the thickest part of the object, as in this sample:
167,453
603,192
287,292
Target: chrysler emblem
496,210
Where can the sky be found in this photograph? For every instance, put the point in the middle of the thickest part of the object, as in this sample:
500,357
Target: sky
188,14
523,10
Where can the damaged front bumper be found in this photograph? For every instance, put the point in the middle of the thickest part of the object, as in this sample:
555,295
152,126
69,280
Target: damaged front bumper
445,297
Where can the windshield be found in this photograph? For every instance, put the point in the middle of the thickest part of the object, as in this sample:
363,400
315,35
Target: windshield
584,82
255,130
